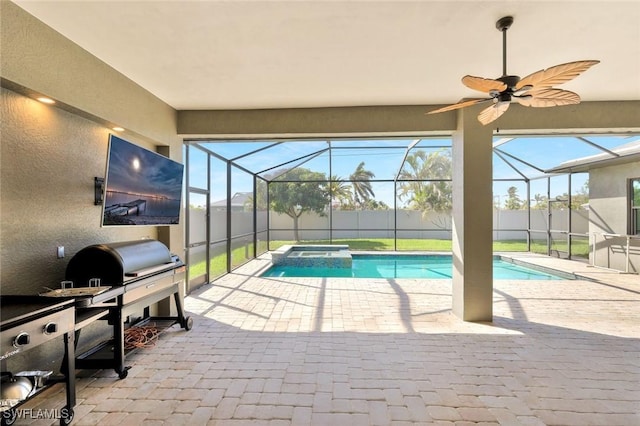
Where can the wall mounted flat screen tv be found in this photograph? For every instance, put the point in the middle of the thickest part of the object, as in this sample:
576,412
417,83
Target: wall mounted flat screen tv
141,187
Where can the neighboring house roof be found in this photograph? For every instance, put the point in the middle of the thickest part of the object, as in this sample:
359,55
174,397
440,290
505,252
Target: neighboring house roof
626,153
239,199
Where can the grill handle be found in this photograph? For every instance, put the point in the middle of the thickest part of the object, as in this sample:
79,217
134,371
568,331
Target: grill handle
151,270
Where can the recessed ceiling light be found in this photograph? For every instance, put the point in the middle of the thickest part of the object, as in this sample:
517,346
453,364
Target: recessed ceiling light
118,129
46,100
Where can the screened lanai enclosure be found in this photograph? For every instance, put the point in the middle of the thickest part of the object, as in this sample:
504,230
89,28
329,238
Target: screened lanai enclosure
247,197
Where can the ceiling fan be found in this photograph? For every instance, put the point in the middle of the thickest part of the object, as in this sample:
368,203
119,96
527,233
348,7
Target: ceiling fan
535,90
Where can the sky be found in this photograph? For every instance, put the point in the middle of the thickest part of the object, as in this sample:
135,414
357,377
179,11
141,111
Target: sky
384,156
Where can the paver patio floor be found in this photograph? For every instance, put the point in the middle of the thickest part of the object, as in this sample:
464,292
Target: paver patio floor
340,351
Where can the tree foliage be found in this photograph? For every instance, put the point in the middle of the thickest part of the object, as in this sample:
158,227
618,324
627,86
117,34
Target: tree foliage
581,197
375,205
339,192
361,184
541,202
301,192
420,193
578,200
513,201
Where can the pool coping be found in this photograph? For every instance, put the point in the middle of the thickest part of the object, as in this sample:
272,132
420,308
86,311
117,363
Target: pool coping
279,255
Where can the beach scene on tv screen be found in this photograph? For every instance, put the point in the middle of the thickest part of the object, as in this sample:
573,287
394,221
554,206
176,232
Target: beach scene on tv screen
142,187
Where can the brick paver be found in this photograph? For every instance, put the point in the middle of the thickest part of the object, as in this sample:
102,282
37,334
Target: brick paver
339,351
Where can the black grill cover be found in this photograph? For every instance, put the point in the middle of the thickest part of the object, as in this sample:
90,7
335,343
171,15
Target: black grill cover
113,262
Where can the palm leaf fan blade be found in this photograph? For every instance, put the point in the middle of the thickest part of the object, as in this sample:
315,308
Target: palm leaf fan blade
459,105
548,98
555,75
485,85
493,112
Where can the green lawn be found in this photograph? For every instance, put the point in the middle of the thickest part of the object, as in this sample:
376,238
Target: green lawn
580,248
386,244
382,244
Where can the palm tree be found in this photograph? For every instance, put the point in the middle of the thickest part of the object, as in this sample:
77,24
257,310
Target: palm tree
419,188
337,190
360,182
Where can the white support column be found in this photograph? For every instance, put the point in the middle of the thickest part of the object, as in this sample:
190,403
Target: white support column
472,218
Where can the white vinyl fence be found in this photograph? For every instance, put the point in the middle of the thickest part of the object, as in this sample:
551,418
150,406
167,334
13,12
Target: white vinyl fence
508,224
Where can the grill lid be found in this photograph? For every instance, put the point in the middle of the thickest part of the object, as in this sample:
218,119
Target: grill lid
113,262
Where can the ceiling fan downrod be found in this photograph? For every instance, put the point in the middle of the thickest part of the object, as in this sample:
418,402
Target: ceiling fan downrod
503,25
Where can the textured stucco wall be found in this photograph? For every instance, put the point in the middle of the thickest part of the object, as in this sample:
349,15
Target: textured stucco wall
48,159
49,156
609,212
38,60
401,120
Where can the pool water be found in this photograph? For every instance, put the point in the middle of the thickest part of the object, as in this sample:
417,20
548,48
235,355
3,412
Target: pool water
406,266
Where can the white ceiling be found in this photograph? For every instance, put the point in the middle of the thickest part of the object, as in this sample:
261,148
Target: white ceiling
274,54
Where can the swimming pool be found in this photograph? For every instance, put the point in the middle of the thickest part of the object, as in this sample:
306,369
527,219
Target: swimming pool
407,266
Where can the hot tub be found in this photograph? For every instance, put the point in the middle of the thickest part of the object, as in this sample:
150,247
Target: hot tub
333,256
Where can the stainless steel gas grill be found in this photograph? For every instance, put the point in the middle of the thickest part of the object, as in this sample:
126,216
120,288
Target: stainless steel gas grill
27,322
133,275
